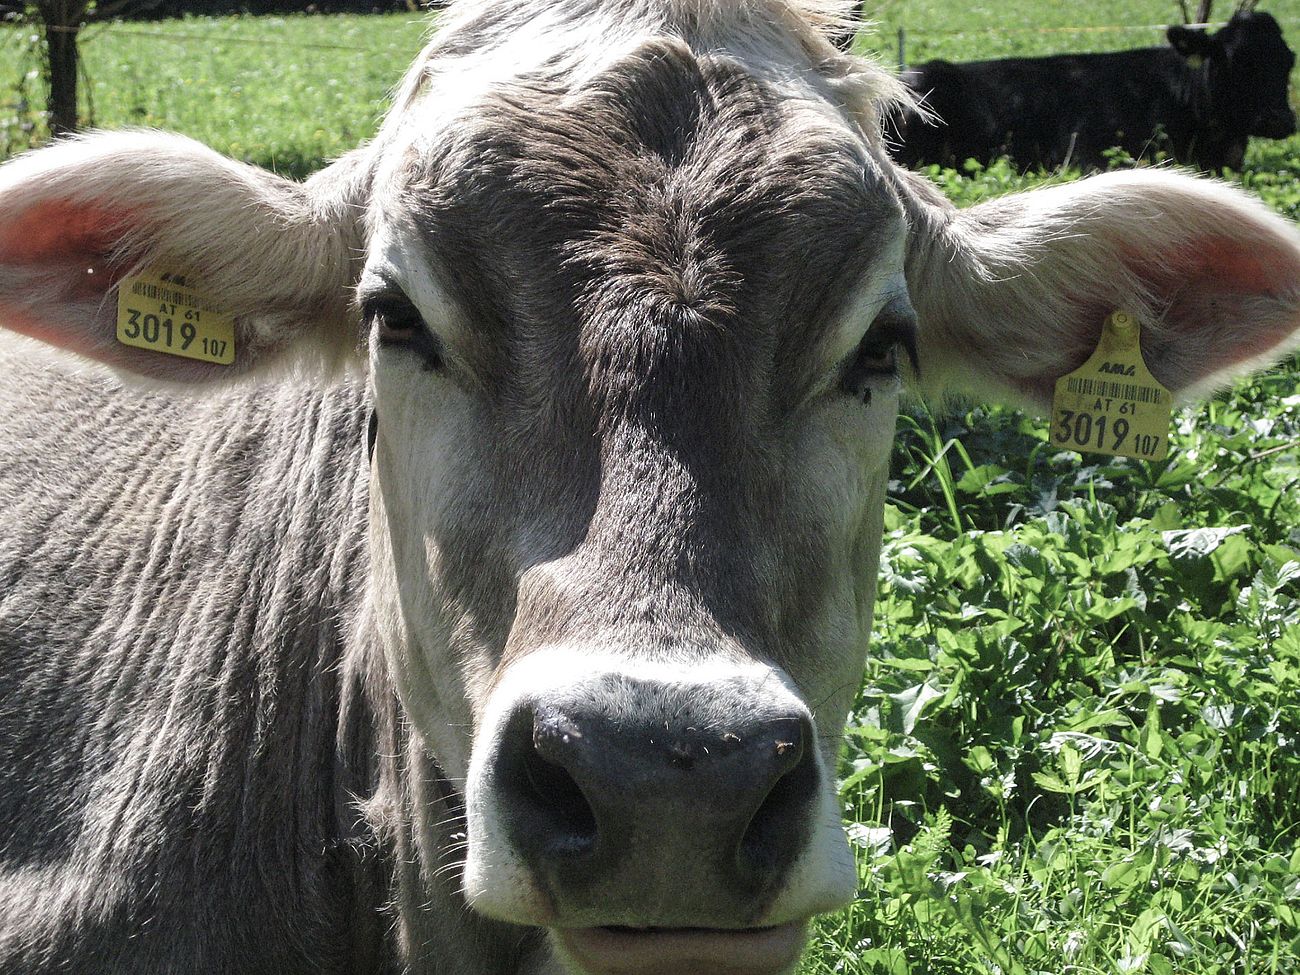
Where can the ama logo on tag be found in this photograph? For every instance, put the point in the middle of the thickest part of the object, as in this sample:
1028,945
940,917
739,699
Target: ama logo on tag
1118,369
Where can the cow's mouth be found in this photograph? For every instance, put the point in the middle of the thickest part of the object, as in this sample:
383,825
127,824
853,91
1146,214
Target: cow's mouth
685,951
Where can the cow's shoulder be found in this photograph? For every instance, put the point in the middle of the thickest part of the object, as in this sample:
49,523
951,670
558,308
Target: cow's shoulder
174,599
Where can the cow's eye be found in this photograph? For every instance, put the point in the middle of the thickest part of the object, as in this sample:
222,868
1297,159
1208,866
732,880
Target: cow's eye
397,322
876,356
394,318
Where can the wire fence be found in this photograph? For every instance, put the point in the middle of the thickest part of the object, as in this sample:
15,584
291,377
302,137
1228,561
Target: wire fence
23,121
904,34
1090,29
93,30
178,75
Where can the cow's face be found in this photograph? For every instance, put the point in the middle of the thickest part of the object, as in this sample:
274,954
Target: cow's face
636,336
1248,70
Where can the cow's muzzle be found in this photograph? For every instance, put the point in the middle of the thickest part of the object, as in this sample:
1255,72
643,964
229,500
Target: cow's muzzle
685,820
722,804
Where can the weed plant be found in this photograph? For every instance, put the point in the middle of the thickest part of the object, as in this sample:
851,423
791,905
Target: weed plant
1075,749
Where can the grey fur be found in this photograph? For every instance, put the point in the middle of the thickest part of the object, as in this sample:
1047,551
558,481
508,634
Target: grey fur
229,648
202,765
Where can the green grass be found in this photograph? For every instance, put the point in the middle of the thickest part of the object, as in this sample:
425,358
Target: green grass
1080,716
938,29
1075,750
1076,746
288,93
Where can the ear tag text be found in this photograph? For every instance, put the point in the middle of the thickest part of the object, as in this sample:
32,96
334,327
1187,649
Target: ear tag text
1112,404
167,312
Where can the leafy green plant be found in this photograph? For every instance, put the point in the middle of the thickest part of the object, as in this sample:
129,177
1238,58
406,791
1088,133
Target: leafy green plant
1076,746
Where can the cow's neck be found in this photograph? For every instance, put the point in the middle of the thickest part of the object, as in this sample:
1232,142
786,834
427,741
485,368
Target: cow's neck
409,823
195,572
188,568
409,816
1195,93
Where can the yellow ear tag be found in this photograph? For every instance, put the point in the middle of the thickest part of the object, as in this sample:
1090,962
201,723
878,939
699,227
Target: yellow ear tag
1112,404
167,312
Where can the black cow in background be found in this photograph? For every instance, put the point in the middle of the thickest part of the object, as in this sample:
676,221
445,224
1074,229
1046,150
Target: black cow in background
1198,99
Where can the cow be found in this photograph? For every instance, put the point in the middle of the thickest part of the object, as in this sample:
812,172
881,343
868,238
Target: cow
492,602
1198,99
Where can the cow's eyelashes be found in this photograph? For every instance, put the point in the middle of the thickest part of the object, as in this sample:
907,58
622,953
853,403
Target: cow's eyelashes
870,362
877,355
397,322
394,320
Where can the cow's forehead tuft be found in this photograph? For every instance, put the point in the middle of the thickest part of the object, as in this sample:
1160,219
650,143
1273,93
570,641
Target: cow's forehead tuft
671,187
481,45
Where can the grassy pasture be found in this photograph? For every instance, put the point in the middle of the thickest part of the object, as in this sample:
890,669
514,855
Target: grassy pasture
1075,749
939,29
288,93
1080,721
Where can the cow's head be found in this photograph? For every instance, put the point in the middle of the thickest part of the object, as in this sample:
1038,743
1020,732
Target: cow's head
636,288
1247,69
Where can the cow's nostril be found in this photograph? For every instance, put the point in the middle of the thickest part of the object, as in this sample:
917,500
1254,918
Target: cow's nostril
552,818
560,798
765,840
548,746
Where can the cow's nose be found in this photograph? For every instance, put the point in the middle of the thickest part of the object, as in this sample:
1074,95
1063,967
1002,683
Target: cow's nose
725,803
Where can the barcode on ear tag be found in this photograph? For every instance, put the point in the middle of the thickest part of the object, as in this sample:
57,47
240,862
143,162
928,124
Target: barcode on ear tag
169,312
1112,404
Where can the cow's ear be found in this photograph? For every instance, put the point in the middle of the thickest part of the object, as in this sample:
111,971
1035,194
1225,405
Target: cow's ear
1190,42
274,260
1012,294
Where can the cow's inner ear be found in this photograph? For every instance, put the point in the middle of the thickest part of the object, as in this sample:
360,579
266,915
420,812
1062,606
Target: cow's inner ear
272,259
1011,294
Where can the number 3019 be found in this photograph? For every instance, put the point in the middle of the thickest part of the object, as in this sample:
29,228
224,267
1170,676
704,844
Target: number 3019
157,331
1088,431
